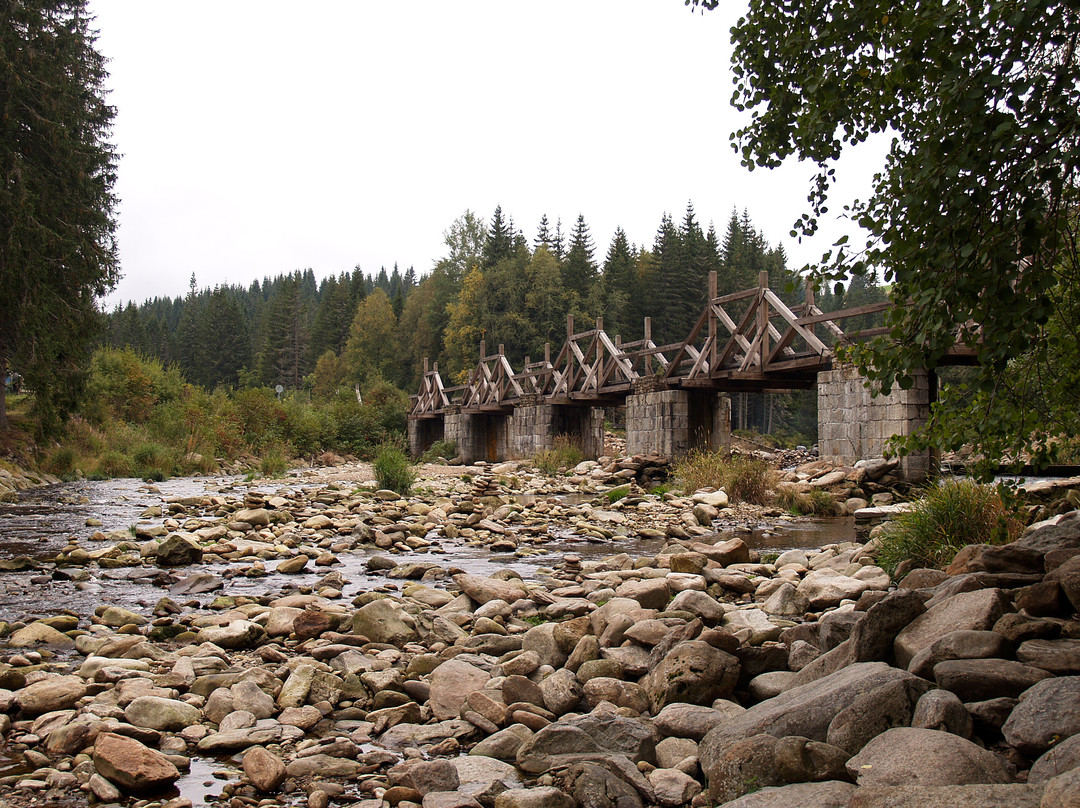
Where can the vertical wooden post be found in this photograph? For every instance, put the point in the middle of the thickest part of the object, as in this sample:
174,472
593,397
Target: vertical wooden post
425,366
483,349
547,353
569,327
648,339
809,307
763,319
712,322
500,384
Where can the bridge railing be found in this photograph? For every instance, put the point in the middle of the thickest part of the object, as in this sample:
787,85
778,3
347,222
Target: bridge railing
752,335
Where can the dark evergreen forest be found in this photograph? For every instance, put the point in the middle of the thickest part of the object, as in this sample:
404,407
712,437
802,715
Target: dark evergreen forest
494,283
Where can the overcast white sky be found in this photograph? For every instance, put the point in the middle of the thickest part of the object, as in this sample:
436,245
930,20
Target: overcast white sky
262,137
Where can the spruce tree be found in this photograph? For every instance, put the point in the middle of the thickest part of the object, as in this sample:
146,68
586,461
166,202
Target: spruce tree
57,250
499,243
544,237
579,269
618,279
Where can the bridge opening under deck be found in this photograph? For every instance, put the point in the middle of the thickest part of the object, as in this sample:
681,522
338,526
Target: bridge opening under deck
674,423
424,433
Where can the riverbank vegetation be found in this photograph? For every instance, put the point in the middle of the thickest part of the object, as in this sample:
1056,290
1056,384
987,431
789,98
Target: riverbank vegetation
141,418
948,516
744,479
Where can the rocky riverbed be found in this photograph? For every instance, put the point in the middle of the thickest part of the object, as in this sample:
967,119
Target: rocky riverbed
318,642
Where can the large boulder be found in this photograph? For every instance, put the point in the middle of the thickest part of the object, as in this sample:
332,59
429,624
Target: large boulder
381,622
1011,795
983,679
483,589
135,768
179,549
694,672
451,684
807,710
167,715
977,610
830,794
53,693
910,756
589,736
825,588
237,635
960,644
1047,712
873,634
872,713
1057,760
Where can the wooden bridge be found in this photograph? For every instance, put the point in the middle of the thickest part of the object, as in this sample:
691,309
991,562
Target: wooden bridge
746,341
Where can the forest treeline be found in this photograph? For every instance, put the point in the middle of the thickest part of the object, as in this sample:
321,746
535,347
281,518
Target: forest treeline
493,283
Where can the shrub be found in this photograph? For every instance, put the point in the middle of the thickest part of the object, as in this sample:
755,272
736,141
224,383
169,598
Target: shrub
748,479
947,517
273,462
113,464
701,470
745,479
393,471
615,494
440,448
152,461
61,461
812,503
562,455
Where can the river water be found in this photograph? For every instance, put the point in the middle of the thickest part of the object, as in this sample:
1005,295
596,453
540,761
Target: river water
41,522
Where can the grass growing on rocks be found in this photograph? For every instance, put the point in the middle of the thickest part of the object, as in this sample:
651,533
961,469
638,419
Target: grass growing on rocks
811,503
745,479
563,455
393,471
947,517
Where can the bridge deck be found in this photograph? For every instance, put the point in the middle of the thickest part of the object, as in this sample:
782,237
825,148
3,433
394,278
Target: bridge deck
767,346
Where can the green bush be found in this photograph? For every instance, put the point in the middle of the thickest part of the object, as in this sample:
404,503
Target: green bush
113,464
61,461
393,471
745,479
440,448
813,503
947,517
152,461
273,462
563,455
615,494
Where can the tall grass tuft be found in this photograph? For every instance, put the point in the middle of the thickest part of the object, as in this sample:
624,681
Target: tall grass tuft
563,455
446,449
393,470
745,479
812,503
949,516
273,462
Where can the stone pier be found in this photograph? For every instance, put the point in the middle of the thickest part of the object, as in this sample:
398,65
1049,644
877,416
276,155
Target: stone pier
530,428
853,424
675,422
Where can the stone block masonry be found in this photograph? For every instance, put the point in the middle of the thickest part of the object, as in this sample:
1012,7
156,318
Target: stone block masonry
853,424
675,422
519,434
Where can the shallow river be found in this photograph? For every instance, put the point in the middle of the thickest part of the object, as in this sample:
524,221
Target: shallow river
41,522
